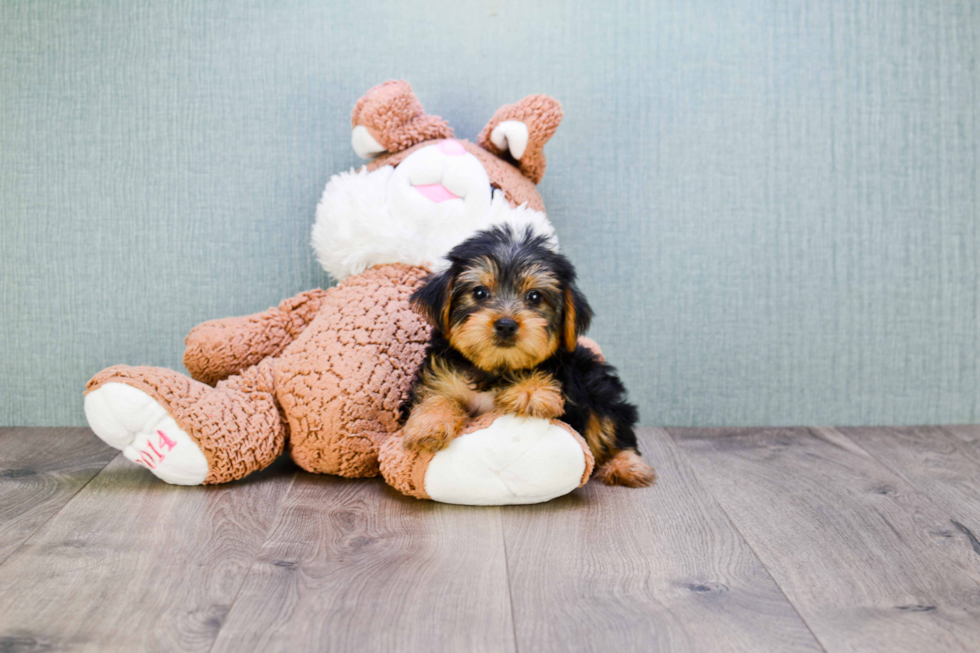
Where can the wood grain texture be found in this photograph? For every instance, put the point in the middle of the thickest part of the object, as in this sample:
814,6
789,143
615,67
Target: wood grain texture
354,566
40,471
613,569
135,564
942,466
965,432
866,559
760,539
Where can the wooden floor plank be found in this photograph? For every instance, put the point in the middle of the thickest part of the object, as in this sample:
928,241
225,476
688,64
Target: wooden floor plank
354,566
942,466
615,569
40,471
965,432
863,555
132,563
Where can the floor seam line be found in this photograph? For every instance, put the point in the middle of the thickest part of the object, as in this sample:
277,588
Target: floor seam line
738,530
897,472
510,590
887,467
59,510
251,566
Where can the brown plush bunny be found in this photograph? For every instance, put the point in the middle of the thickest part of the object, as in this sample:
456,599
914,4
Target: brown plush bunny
324,373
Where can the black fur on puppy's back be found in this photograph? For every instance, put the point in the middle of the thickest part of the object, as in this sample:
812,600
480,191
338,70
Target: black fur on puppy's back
592,386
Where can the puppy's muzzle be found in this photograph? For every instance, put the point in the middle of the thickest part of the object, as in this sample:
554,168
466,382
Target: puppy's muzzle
505,328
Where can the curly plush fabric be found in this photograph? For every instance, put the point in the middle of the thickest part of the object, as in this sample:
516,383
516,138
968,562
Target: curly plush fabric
517,188
592,346
335,389
236,425
217,349
402,469
325,373
341,383
542,115
395,118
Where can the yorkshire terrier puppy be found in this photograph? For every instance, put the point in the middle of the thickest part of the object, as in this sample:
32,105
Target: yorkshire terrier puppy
507,316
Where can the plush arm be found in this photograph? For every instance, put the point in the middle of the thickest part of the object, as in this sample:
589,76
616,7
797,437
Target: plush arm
592,346
217,349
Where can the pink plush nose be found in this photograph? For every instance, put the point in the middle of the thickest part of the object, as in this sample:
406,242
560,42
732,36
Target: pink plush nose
452,148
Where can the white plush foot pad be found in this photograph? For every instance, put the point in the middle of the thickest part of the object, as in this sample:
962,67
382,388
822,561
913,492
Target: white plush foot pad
131,420
512,461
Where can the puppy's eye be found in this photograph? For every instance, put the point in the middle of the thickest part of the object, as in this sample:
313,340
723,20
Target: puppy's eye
480,293
534,298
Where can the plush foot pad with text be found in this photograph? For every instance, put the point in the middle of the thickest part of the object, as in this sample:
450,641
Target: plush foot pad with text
131,420
515,460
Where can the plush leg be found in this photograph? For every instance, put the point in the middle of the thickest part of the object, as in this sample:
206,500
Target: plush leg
184,431
218,349
496,460
592,346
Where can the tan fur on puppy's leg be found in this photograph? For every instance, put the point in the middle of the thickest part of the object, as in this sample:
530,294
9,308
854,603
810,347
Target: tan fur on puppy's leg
600,434
535,395
628,469
433,424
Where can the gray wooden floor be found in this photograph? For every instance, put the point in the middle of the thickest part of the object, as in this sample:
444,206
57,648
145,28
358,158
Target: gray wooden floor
753,540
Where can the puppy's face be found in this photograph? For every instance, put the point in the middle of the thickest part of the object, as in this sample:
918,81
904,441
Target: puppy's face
505,314
507,302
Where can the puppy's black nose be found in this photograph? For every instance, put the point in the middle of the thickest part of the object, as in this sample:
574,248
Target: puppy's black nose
505,327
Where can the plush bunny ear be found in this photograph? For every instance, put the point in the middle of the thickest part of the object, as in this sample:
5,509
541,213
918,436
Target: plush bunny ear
389,118
519,132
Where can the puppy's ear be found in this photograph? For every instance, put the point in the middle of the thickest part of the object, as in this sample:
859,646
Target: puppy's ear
433,299
578,316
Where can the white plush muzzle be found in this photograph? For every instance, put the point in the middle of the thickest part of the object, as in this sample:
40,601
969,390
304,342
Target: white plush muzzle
415,213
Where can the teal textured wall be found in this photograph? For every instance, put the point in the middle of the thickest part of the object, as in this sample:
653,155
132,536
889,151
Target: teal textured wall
773,205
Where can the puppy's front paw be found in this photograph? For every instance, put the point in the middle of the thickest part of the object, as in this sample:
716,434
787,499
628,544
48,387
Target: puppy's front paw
535,396
431,428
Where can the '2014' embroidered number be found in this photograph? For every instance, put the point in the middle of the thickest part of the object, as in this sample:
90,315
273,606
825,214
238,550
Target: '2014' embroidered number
153,457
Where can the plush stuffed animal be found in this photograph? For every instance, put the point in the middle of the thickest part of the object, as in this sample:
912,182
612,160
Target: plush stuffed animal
324,373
